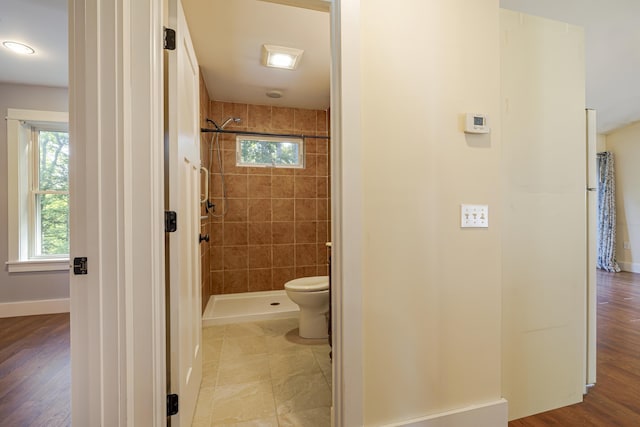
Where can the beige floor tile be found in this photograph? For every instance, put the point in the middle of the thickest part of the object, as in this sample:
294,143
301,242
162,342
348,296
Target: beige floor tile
213,332
237,348
242,402
291,342
244,370
238,330
209,374
319,417
299,362
284,343
265,422
253,371
202,415
301,392
211,350
322,357
278,327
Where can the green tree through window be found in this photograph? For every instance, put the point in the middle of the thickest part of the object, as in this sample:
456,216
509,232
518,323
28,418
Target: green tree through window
269,152
51,191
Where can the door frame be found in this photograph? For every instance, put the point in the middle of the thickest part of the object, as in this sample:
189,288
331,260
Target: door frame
347,234
116,213
117,193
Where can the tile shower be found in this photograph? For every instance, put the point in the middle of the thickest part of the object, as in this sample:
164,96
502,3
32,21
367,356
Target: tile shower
277,220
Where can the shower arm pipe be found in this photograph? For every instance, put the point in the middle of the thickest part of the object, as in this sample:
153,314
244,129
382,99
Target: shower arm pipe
280,135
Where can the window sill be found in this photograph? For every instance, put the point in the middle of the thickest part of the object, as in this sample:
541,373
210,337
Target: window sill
58,264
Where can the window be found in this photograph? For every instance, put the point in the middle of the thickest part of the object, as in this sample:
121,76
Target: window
273,152
38,153
49,199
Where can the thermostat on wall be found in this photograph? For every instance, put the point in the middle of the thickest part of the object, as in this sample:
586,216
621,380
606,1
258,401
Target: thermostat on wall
477,123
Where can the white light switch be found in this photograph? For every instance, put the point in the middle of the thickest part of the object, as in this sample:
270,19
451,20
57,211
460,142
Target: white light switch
476,216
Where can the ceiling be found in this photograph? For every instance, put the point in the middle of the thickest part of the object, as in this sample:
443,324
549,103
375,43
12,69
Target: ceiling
41,24
228,35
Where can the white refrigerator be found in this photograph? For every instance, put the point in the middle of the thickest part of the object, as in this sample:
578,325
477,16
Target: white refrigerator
592,203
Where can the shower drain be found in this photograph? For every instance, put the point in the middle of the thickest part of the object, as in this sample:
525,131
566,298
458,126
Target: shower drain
275,303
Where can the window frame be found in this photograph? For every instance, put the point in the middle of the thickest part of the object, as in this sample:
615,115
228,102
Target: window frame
20,170
35,190
291,139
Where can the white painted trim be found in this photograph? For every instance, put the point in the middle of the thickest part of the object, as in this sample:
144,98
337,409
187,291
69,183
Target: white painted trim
38,265
492,414
347,214
632,267
144,212
33,308
117,309
20,211
37,116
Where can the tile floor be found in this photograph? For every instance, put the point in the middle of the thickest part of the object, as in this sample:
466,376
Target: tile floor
262,374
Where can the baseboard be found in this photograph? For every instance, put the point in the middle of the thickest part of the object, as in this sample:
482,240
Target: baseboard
32,308
492,414
632,267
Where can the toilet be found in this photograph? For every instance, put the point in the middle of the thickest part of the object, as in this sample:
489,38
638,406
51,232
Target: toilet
312,296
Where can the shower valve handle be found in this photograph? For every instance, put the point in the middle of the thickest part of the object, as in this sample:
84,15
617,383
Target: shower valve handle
204,237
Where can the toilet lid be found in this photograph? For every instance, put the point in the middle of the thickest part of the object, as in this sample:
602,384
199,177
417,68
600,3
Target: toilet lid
308,284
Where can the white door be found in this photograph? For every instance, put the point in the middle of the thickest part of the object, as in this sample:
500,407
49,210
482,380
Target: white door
183,250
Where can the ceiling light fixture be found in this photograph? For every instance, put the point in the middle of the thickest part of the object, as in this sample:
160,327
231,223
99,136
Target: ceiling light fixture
287,58
20,48
274,93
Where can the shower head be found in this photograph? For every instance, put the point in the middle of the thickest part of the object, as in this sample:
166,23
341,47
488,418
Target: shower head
229,120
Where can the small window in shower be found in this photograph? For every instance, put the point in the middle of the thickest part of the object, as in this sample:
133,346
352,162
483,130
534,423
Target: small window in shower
269,152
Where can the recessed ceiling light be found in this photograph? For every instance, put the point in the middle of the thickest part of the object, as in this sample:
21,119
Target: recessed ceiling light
19,48
280,56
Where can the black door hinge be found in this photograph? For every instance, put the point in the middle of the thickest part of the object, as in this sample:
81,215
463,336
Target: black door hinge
170,221
80,265
172,404
169,39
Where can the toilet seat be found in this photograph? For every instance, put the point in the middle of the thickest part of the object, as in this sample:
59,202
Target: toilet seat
308,284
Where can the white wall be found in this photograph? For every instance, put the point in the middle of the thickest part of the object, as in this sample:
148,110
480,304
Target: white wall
625,145
431,290
544,228
601,143
26,286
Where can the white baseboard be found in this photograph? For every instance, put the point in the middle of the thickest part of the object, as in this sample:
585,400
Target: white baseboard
32,308
632,267
492,414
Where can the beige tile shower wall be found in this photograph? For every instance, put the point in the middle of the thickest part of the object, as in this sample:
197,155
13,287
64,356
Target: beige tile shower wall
277,220
204,224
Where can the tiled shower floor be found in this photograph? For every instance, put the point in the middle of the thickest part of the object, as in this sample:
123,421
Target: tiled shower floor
263,374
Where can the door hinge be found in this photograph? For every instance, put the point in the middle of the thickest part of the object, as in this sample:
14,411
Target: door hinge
172,404
170,221
80,265
169,38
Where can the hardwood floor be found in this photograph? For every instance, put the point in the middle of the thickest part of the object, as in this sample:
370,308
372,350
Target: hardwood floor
35,371
615,399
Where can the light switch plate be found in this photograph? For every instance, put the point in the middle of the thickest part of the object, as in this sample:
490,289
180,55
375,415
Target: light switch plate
474,216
